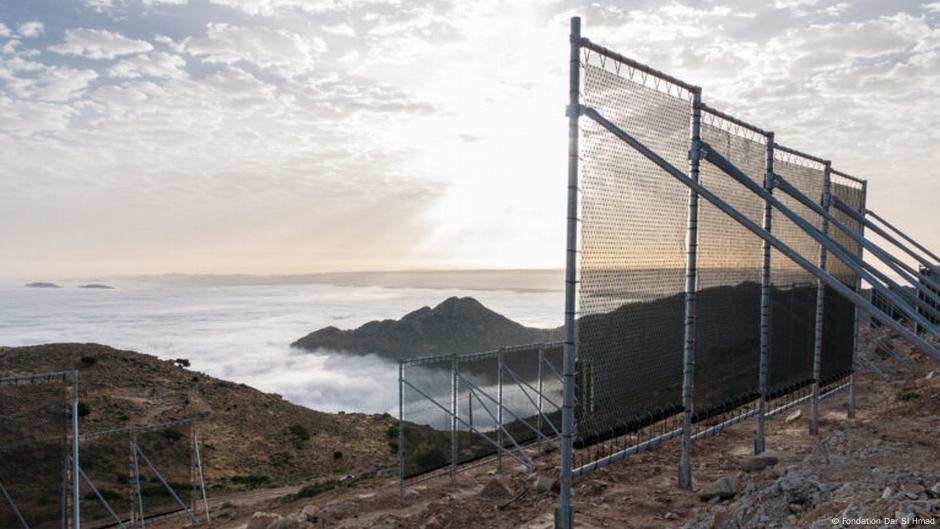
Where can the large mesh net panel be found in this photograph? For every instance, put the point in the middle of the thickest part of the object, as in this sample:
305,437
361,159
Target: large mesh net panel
793,292
477,389
729,264
839,314
34,451
632,253
426,386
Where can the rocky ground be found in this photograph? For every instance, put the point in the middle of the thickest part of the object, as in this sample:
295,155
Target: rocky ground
881,469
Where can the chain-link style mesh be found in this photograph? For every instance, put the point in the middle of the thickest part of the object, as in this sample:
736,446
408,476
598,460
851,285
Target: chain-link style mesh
632,256
106,461
34,450
729,263
166,453
793,295
839,314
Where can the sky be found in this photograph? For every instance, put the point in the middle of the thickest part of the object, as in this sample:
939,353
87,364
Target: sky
291,136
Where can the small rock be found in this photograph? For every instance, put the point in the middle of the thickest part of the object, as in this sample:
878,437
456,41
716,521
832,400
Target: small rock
670,516
494,489
931,374
518,469
434,522
723,488
758,463
262,520
935,490
793,416
888,492
411,494
543,483
366,496
292,521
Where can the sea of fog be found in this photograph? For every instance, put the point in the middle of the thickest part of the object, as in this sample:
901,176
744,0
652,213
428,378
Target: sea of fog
243,332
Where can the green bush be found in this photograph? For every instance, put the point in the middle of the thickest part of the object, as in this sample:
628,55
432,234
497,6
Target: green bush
299,431
89,360
337,454
907,395
181,362
172,435
309,491
83,409
252,480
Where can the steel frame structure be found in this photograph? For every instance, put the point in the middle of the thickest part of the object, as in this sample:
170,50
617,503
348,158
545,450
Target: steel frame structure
699,151
492,405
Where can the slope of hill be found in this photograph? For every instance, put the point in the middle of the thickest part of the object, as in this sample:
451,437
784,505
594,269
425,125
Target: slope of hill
456,325
249,436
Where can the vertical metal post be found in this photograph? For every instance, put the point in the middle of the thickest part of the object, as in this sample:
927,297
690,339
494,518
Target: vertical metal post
453,418
541,387
202,481
691,244
858,312
564,516
76,508
820,310
136,476
499,410
66,488
401,429
765,304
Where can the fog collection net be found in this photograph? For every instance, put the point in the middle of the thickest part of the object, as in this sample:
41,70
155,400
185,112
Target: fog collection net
34,452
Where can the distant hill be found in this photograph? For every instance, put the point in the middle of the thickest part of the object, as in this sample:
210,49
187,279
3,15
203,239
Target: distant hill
41,284
247,434
96,285
456,325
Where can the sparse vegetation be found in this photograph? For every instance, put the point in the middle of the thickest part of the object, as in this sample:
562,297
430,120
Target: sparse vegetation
907,395
89,361
337,454
181,362
171,435
310,491
84,409
299,431
252,480
392,435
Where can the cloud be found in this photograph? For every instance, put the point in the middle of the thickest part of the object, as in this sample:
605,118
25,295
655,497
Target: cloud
4,30
153,64
279,49
99,44
31,29
343,29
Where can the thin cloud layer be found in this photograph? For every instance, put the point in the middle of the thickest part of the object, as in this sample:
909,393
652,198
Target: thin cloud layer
303,135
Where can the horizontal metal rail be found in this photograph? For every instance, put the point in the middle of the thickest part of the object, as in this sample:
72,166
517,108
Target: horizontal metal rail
778,147
34,377
461,357
597,48
904,236
789,252
731,119
855,179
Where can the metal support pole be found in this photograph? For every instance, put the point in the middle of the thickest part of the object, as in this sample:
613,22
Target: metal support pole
136,477
499,409
564,515
202,481
820,308
917,245
691,244
541,359
858,311
453,418
401,429
765,303
76,482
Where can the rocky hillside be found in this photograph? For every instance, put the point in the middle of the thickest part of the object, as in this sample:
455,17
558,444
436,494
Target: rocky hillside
456,325
250,438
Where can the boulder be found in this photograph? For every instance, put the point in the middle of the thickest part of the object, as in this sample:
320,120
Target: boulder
263,520
543,483
494,489
794,416
758,463
723,488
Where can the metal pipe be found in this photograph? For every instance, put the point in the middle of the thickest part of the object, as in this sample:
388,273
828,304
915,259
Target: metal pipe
820,307
691,244
165,484
904,236
742,219
136,475
586,43
889,260
401,429
541,388
873,368
731,119
858,312
103,501
16,511
499,408
831,246
785,149
765,303
202,481
563,514
453,420
898,263
76,507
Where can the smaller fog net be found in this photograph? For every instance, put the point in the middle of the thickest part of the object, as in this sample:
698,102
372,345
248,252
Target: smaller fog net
487,389
632,254
167,469
793,292
34,452
106,462
839,314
